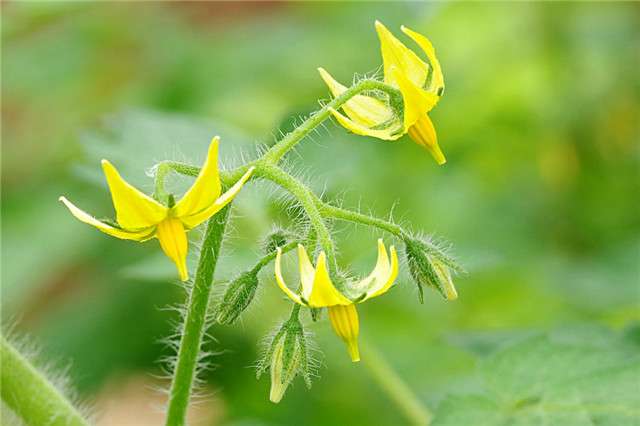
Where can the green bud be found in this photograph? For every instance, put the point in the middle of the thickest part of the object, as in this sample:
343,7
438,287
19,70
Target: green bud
277,238
239,294
285,358
430,267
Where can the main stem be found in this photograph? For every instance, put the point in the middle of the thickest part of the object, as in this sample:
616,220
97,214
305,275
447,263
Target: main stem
30,395
195,320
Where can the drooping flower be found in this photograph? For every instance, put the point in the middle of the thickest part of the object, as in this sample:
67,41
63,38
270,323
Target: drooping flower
420,84
139,217
318,291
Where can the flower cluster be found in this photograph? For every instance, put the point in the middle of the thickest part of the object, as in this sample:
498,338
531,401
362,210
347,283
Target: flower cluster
387,110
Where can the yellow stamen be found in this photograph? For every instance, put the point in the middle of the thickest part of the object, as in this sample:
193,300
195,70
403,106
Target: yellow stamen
173,240
344,320
423,133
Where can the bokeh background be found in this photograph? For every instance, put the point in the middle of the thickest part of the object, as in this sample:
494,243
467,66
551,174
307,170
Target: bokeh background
539,198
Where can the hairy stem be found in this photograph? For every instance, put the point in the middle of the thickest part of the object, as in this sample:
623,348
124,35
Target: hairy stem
328,210
291,139
395,388
306,198
195,320
30,395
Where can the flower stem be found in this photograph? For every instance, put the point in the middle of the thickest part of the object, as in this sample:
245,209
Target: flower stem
306,199
291,139
328,210
195,320
395,388
30,395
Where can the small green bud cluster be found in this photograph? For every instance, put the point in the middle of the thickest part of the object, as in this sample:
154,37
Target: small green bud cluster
239,294
430,266
286,357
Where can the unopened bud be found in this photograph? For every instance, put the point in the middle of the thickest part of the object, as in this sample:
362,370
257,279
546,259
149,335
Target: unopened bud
239,294
277,238
428,268
286,358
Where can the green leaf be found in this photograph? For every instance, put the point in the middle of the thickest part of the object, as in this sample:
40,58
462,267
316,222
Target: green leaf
552,380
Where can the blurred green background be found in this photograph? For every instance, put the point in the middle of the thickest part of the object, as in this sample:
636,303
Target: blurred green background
540,125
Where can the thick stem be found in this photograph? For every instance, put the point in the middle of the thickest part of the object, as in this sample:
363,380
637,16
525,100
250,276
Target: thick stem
395,388
291,139
195,320
30,395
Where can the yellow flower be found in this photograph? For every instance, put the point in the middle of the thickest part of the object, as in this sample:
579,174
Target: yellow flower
421,85
317,291
141,218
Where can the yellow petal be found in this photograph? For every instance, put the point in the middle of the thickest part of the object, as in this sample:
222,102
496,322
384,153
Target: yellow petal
383,275
397,55
359,129
324,293
85,217
196,219
283,286
134,210
423,133
206,187
344,320
417,102
174,243
362,109
307,272
437,80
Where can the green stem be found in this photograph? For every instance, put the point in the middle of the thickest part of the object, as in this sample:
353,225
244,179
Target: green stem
195,320
328,210
291,139
264,261
395,388
306,198
30,395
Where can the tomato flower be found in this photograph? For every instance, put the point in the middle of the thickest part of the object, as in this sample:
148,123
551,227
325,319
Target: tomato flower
140,217
318,291
420,84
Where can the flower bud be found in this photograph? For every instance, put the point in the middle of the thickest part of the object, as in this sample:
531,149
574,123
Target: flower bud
286,358
277,238
429,266
239,294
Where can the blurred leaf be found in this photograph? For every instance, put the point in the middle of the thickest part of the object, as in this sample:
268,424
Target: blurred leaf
556,380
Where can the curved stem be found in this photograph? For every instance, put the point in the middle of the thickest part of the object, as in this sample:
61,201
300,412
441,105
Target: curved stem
306,199
195,320
395,388
30,395
291,139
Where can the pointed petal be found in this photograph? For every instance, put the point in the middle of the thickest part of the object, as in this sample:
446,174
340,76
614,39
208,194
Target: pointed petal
196,219
423,133
397,55
174,243
85,217
417,102
324,293
362,109
359,129
283,286
384,274
206,187
345,322
134,210
307,272
437,81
